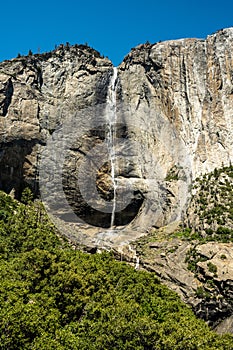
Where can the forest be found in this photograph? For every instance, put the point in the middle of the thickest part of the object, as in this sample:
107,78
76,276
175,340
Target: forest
55,297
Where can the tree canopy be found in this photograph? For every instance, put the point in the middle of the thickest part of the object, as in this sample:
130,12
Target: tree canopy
55,297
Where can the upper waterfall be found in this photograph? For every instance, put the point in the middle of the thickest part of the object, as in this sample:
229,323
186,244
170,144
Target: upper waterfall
111,116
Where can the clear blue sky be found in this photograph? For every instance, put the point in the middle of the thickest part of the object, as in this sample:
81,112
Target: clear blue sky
110,27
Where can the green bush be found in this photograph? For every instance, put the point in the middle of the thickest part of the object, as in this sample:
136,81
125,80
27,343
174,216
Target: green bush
212,268
54,297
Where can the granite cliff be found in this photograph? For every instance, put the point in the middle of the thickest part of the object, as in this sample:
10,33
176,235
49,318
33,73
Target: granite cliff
172,103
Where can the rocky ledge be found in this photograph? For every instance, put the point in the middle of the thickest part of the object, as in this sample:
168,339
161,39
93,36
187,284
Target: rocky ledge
202,274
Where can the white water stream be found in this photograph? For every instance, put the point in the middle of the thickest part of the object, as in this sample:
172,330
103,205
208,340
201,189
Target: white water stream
111,119
135,257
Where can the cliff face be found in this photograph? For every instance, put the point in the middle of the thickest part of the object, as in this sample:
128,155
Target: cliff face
173,111
197,261
190,83
37,94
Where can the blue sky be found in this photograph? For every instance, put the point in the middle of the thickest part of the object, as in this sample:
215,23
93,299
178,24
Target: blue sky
111,28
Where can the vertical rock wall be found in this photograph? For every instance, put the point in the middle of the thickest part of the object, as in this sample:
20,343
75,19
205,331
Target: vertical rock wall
174,121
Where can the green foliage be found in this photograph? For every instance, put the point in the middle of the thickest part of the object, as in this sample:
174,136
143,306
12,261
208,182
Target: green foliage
192,258
186,234
26,196
53,297
211,267
24,227
201,293
223,256
222,234
212,204
173,174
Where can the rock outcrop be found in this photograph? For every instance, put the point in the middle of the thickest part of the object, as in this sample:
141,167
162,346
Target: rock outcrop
201,273
189,82
37,93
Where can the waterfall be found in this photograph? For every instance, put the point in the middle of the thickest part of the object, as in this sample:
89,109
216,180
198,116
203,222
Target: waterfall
137,263
135,257
111,119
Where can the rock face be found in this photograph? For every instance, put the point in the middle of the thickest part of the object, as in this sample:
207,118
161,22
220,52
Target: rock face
202,274
190,82
37,93
173,115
